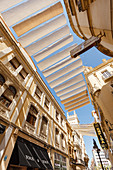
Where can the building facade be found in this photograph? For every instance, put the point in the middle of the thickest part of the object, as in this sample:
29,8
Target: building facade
99,81
92,18
34,132
79,147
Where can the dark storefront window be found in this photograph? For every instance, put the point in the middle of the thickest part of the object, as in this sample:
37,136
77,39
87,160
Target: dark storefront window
60,162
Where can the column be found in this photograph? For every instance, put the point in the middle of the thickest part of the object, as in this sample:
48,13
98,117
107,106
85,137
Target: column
37,121
18,70
3,88
40,117
29,83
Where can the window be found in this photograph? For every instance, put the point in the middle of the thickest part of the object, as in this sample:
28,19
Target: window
69,149
15,63
2,80
23,73
106,74
38,92
62,140
57,136
46,103
83,4
44,126
32,115
60,162
57,116
62,122
71,4
7,97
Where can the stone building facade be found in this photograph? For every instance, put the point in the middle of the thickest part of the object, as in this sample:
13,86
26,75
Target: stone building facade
92,18
34,132
100,85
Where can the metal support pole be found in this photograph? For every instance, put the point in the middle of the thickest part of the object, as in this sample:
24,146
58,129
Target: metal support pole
98,152
100,159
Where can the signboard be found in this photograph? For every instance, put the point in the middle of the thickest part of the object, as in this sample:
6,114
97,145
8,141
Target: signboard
100,136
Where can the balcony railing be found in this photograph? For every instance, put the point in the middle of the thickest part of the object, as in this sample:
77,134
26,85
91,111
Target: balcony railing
77,144
29,128
43,135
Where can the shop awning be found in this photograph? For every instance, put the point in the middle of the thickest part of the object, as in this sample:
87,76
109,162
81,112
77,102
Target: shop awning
30,155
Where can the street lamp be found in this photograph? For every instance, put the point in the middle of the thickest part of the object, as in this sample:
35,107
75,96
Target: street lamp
98,152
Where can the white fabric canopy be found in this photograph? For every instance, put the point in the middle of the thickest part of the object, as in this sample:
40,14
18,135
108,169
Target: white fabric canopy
24,9
42,29
47,40
53,47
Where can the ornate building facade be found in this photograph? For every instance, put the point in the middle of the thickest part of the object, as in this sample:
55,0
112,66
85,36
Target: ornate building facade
92,18
34,132
100,85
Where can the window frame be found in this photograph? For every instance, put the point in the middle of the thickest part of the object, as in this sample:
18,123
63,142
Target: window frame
6,100
2,78
38,94
33,115
42,124
45,103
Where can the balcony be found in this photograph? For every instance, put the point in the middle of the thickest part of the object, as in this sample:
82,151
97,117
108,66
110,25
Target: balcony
79,160
57,144
43,135
43,132
63,145
77,144
29,128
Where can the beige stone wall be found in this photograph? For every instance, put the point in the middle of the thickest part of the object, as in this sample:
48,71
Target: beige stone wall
99,81
94,19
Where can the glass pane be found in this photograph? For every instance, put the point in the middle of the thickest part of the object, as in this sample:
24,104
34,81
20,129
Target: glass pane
2,80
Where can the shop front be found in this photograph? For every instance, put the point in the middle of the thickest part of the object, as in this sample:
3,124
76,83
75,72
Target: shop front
28,156
59,162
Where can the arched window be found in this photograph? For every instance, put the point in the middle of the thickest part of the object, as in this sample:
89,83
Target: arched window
44,126
2,80
7,97
32,115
